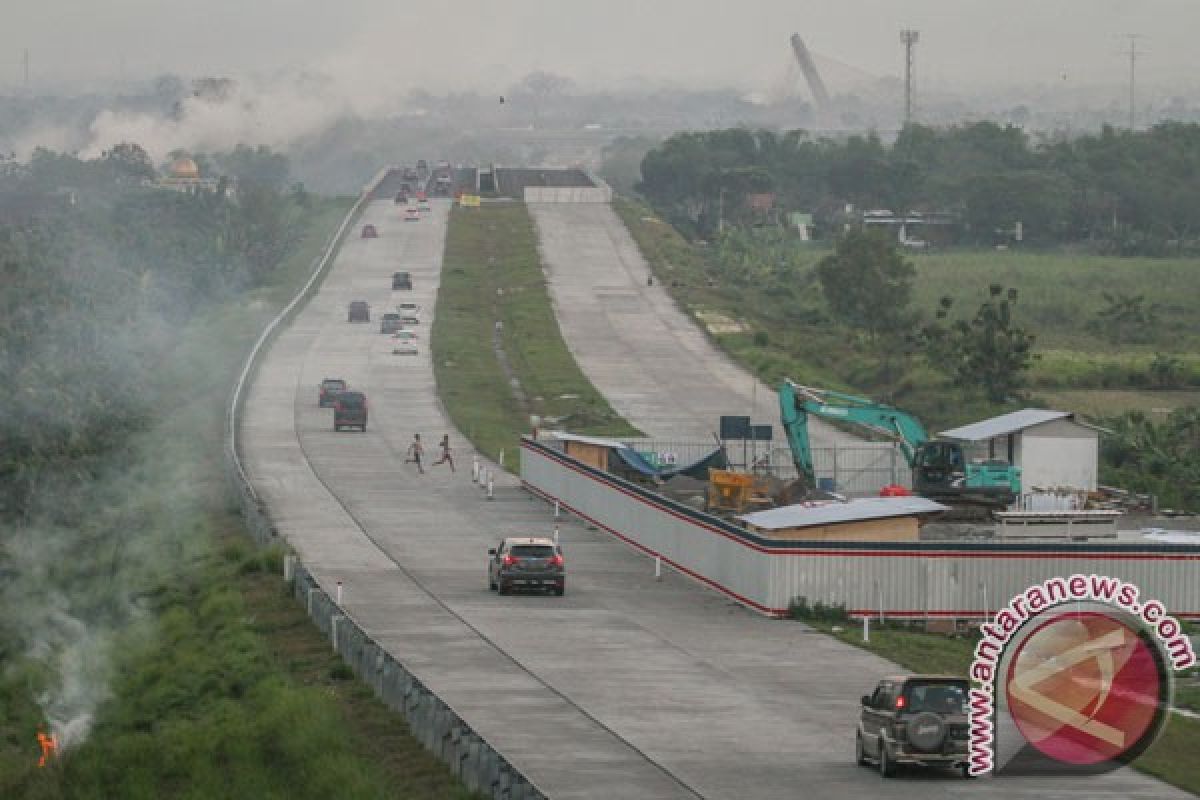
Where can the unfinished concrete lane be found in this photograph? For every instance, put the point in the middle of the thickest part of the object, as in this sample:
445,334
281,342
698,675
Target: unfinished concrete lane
648,358
626,687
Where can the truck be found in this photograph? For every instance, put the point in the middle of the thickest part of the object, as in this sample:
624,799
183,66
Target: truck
940,468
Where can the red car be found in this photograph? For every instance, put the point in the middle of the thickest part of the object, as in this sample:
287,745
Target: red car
328,391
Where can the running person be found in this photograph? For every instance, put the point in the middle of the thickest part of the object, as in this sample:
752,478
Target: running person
415,451
447,456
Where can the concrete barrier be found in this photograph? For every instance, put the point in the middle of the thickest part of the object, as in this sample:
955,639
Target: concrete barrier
434,723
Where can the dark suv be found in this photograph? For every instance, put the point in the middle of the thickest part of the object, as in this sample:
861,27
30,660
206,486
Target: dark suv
350,411
527,562
914,719
328,391
390,323
401,280
358,311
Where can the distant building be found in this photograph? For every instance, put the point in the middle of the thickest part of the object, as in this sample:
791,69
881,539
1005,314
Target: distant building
184,176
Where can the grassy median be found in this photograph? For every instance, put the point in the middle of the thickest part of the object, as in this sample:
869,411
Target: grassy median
492,380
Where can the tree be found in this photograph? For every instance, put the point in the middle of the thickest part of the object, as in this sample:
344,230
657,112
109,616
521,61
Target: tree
989,351
1125,318
867,283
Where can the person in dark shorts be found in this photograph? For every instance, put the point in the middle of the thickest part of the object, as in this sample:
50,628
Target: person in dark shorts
415,451
447,456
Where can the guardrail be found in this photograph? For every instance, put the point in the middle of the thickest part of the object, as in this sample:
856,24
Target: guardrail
434,723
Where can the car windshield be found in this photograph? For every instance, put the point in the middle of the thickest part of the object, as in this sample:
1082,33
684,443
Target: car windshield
941,697
351,399
334,384
358,304
532,551
391,316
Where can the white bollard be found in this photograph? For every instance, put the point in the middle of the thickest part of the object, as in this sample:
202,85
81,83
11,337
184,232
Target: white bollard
490,486
501,458
339,593
866,628
658,568
289,567
475,469
556,535
556,512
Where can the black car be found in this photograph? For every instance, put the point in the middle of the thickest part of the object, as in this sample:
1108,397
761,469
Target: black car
350,411
328,391
358,311
401,280
524,562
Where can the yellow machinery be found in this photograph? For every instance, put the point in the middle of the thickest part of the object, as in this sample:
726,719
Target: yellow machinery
737,492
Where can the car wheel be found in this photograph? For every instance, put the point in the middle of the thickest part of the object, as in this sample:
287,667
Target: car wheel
337,427
560,590
966,771
501,588
860,755
886,768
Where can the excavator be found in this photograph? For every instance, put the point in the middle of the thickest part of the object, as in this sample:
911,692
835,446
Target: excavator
940,469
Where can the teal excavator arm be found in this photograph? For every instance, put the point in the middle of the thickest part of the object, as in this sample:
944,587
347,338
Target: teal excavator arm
797,402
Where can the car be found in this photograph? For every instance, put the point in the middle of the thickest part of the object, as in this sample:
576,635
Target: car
328,391
401,199
358,311
914,719
350,411
410,319
527,562
408,307
404,347
401,280
412,215
369,232
423,206
389,323
406,334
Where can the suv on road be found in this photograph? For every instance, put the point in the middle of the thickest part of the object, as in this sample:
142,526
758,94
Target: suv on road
358,311
350,411
401,280
328,391
390,323
914,719
526,562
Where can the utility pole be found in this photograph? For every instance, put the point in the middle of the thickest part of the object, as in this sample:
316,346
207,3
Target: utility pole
909,38
1133,54
26,61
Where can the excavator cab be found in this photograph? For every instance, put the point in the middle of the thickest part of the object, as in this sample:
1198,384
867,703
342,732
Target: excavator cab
941,469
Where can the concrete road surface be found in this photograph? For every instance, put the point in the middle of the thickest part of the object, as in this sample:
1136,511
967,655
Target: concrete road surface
652,362
627,687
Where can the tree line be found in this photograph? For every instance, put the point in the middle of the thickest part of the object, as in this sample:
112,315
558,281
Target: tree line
1118,191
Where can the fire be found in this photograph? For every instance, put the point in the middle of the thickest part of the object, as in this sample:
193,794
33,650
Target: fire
49,745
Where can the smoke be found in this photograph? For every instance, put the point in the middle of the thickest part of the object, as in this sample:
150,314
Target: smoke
274,114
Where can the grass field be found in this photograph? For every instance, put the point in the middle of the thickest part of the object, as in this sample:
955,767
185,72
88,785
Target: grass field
221,687
790,333
492,273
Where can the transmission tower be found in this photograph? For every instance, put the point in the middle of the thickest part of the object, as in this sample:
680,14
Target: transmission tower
909,38
1133,56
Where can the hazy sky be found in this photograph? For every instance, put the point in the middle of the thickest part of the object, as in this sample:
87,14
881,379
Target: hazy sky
442,44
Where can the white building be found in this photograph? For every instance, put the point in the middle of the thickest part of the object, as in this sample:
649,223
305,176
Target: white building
1053,449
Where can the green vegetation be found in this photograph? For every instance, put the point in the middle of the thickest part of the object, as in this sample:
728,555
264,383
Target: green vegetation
134,617
492,274
1120,192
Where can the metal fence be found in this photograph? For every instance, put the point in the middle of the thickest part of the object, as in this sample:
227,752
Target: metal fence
857,470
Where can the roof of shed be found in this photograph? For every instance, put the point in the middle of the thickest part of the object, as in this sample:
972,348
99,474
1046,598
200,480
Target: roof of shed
1009,423
832,513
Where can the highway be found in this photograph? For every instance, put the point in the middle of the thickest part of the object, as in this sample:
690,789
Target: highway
626,687
653,363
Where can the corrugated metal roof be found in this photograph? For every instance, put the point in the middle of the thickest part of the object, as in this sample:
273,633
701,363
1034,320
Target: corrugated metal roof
806,516
1005,423
599,441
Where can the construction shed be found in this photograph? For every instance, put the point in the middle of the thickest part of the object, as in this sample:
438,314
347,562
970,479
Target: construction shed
1053,449
870,519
